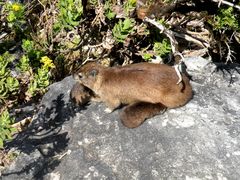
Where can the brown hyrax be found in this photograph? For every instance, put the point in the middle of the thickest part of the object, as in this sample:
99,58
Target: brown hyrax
146,88
80,94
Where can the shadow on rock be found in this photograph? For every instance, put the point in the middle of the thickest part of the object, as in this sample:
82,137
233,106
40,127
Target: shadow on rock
45,141
228,71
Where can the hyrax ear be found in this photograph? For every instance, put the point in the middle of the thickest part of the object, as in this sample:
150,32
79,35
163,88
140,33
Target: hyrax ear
93,73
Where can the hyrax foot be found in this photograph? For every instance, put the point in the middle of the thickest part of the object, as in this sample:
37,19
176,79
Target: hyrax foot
134,115
112,104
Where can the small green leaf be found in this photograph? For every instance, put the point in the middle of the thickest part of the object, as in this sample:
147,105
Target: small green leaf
12,84
121,30
23,64
1,143
5,129
147,56
11,16
162,48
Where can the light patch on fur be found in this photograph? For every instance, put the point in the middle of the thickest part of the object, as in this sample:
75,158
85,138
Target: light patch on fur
108,110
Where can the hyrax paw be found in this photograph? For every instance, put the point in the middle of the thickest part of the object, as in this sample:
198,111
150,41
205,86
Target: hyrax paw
108,110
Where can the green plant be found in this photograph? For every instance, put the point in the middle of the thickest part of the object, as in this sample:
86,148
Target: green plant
129,6
23,64
122,29
8,85
5,59
39,83
108,10
27,45
70,12
225,20
3,91
41,78
14,15
32,53
12,85
162,48
147,56
6,130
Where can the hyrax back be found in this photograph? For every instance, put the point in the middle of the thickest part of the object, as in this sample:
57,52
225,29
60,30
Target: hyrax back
142,82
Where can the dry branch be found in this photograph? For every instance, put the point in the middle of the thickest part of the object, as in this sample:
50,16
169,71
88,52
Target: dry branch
166,31
3,35
230,52
192,39
226,3
174,44
171,35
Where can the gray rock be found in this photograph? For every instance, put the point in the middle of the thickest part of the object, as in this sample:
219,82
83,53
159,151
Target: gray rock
198,64
198,141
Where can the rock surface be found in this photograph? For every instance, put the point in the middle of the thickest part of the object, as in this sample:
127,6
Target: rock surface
198,141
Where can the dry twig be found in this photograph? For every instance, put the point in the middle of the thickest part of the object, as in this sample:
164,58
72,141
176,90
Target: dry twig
3,35
171,35
99,14
226,3
174,44
230,52
167,32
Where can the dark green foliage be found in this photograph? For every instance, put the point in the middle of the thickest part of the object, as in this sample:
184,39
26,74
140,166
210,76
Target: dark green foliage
6,130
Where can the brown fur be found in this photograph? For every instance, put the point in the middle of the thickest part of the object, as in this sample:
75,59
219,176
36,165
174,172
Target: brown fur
79,94
135,114
154,85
